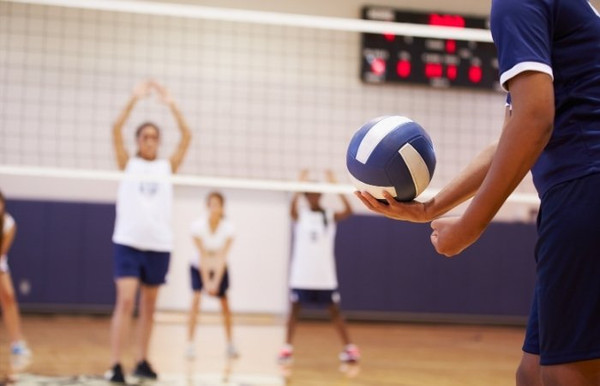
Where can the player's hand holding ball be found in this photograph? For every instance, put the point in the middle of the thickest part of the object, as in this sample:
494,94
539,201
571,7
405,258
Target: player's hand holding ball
391,161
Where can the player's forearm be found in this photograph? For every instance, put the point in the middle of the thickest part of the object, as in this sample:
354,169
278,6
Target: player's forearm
181,123
220,269
520,145
464,186
124,115
294,206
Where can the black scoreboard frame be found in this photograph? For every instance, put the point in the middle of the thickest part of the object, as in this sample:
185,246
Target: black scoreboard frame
440,63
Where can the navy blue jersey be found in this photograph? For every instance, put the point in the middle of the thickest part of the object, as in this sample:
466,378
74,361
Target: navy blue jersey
562,39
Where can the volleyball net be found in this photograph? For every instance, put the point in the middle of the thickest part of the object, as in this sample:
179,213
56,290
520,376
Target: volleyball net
265,94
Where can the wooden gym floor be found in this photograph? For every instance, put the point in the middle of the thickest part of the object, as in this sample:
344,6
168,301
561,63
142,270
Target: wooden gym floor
393,354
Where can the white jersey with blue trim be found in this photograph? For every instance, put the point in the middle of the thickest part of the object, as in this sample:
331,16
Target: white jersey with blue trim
144,207
560,38
313,260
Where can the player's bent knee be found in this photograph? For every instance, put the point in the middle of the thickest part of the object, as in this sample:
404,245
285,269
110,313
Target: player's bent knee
125,304
528,373
8,299
527,376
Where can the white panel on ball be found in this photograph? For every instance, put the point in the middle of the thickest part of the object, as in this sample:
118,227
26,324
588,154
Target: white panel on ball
416,166
376,191
376,134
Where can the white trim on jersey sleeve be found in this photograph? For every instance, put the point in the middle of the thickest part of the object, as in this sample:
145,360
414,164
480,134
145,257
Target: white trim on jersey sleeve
523,67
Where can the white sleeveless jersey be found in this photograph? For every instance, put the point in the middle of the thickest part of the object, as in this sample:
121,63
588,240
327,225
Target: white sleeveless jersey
9,223
313,261
212,241
144,208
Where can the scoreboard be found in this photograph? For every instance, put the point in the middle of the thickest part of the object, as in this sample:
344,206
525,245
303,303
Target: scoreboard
389,58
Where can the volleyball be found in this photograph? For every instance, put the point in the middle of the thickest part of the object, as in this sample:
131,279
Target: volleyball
393,154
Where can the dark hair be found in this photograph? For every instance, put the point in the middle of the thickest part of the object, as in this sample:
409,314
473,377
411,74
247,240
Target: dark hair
218,195
3,201
141,127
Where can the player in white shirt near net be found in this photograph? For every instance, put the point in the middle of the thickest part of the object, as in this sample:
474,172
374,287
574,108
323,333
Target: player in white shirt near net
313,278
213,236
143,238
20,353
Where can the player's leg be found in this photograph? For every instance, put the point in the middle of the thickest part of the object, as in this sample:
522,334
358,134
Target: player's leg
529,371
121,320
154,273
20,353
197,285
148,296
287,351
584,373
223,287
196,281
350,352
231,350
291,322
10,308
127,273
568,269
339,323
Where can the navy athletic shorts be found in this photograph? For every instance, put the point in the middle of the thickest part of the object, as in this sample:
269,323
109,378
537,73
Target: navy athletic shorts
197,283
148,266
316,297
564,324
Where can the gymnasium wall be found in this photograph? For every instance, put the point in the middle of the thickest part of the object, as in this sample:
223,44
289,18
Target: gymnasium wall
251,117
386,268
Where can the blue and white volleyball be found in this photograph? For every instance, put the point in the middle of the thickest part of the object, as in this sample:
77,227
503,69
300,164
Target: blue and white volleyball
392,154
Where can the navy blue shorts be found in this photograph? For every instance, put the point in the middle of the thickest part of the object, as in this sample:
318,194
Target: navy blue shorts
316,297
564,324
197,283
148,266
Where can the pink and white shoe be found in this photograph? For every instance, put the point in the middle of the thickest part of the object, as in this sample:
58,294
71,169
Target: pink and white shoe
351,354
286,355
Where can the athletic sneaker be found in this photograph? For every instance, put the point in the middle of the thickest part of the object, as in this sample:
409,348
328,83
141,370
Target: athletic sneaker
351,354
20,355
286,355
232,353
190,351
145,371
115,375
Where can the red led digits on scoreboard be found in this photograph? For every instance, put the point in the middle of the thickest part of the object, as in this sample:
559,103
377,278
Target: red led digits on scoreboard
452,72
378,66
403,68
389,36
475,74
451,46
447,20
434,70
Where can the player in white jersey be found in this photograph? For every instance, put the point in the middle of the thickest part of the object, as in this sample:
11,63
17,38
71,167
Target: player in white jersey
313,278
20,353
213,236
142,237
